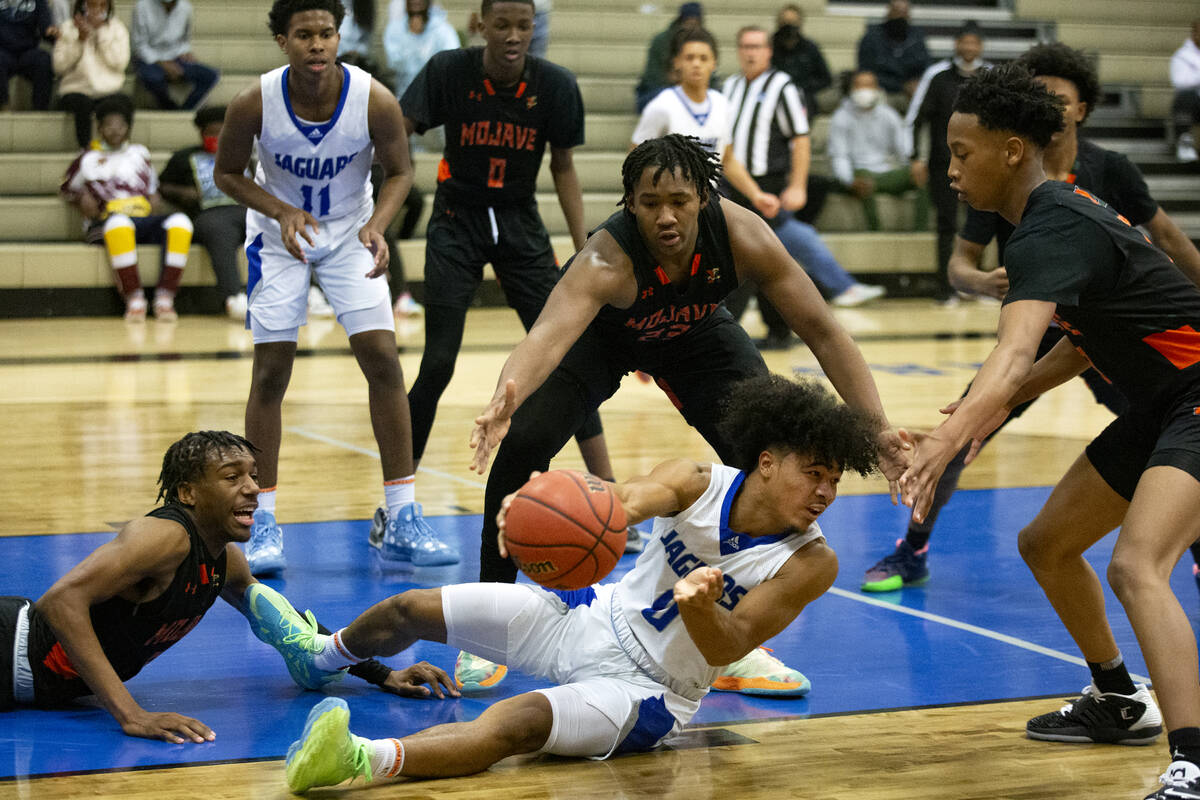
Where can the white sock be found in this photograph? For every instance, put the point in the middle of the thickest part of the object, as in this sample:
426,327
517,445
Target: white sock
399,493
387,756
266,500
334,655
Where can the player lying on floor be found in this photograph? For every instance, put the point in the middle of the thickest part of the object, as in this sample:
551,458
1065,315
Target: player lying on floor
137,595
736,555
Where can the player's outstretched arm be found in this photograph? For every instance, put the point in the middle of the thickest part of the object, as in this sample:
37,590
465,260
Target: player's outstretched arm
570,193
147,551
671,487
722,636
390,137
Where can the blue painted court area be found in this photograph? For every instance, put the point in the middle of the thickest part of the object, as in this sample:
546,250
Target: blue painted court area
914,647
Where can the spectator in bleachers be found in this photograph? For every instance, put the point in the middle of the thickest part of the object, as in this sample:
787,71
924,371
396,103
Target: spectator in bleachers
116,190
800,57
926,121
23,26
90,58
656,75
416,30
541,28
894,50
220,223
869,150
1185,109
162,51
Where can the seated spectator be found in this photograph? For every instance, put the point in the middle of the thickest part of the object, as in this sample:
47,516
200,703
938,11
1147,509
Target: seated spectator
162,51
116,190
656,75
1185,109
800,57
220,223
869,150
356,31
22,27
540,42
90,57
416,30
895,51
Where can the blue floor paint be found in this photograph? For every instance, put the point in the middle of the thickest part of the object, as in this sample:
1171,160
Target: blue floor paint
859,657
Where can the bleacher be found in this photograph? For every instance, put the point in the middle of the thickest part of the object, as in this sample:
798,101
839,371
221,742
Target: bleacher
44,269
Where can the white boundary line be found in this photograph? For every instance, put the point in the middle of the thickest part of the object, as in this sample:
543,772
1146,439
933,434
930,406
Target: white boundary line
969,628
375,455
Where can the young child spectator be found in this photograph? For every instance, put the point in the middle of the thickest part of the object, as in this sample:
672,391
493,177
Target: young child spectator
23,25
869,150
162,49
220,223
90,58
116,190
1185,110
895,51
800,57
656,75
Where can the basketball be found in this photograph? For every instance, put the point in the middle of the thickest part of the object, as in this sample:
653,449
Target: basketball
565,529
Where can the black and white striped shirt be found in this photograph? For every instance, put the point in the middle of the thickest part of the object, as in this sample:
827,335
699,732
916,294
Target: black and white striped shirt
767,114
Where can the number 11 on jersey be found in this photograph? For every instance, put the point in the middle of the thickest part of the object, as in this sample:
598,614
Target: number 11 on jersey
322,198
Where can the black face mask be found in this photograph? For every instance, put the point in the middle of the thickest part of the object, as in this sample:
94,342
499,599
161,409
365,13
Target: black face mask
787,37
896,29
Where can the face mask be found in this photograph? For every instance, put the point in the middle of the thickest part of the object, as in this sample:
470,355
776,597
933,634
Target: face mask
210,144
967,66
864,98
787,37
896,29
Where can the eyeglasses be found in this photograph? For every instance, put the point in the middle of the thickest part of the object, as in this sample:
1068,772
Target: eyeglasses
752,47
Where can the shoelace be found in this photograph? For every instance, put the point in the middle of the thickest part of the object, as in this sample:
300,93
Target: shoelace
306,636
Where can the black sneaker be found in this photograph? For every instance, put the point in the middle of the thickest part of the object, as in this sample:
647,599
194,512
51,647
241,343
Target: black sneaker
1107,718
1181,781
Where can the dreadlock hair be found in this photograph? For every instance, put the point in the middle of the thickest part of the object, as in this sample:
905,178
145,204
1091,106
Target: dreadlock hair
282,11
1056,60
796,416
1007,98
667,154
186,460
683,36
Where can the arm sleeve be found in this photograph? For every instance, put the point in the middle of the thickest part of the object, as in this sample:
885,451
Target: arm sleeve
839,151
67,50
141,37
112,44
793,120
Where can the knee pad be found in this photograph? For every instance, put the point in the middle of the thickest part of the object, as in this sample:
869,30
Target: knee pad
179,239
120,240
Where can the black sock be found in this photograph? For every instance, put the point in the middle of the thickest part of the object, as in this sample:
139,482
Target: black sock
917,539
1110,677
1195,548
1184,744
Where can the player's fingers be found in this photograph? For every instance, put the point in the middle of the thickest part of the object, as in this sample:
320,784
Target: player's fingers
894,491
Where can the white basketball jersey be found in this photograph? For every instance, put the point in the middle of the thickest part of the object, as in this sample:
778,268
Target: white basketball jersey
672,112
643,601
325,168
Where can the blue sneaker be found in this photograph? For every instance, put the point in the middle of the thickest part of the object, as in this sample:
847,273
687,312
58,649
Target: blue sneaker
274,621
264,551
407,537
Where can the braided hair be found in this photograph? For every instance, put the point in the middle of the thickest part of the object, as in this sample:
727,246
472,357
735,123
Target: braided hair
667,154
187,458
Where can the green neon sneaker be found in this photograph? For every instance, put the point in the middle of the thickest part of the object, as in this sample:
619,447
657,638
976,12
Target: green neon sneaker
326,752
275,622
902,567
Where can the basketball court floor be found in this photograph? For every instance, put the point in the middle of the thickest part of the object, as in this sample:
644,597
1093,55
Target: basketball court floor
920,693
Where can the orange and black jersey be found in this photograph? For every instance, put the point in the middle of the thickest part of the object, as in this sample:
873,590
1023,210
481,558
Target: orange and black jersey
495,135
1120,299
132,634
1106,174
664,310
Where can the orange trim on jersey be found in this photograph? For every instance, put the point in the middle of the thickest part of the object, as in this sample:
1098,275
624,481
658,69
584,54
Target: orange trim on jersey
662,276
58,662
487,86
696,264
203,575
521,89
443,171
268,489
1180,346
670,393
1087,194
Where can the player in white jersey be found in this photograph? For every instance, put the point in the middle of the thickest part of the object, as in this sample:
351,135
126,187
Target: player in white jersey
736,556
317,124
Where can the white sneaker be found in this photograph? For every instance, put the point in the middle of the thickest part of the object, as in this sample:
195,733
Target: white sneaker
135,308
318,306
760,673
407,307
858,294
235,307
1185,152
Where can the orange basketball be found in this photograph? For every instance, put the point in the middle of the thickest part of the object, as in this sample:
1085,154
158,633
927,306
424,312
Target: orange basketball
565,529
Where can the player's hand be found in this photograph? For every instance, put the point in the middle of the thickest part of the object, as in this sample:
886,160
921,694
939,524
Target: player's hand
292,223
701,586
491,426
931,455
767,204
502,518
410,682
985,430
167,726
993,283
895,456
374,241
794,198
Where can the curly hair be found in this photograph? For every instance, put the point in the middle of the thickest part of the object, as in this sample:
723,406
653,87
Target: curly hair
667,154
1007,98
797,416
187,458
1056,60
683,36
114,104
282,11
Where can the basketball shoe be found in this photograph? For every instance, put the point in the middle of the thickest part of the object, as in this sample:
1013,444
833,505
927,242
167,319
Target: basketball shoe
1108,718
1181,781
903,567
264,551
759,672
408,537
327,753
474,674
274,621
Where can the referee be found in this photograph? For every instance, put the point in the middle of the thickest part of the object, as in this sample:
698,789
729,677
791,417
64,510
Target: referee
770,137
